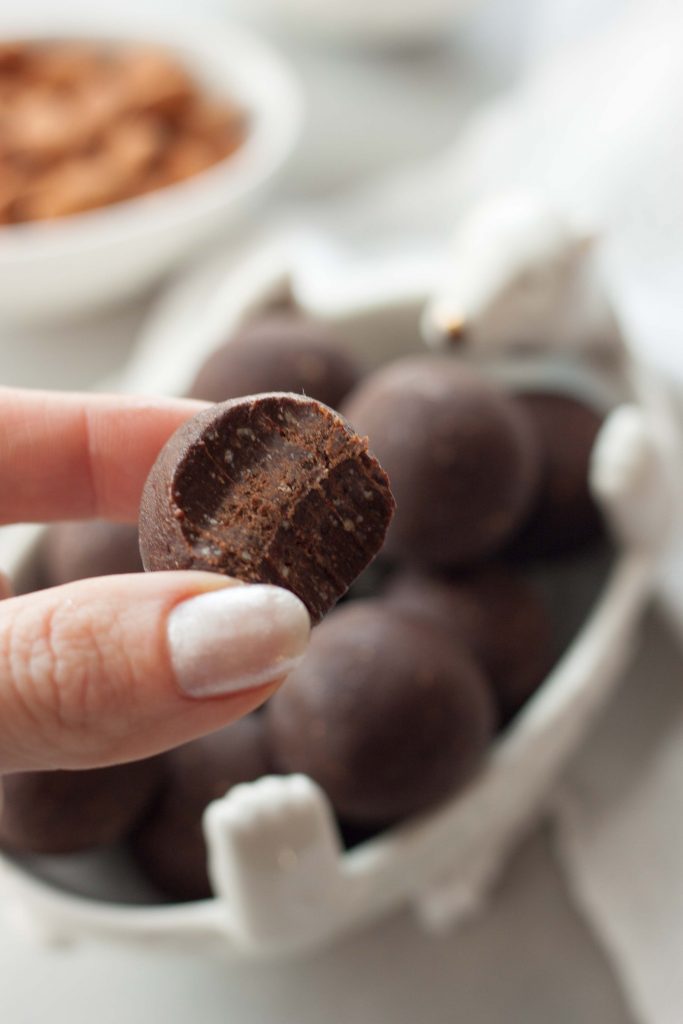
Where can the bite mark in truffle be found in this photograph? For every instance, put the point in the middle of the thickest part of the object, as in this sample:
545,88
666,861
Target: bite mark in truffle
271,488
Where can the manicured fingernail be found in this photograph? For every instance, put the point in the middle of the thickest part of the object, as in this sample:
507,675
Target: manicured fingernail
236,638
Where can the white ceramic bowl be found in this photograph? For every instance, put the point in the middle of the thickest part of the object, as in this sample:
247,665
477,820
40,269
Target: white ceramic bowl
97,258
282,882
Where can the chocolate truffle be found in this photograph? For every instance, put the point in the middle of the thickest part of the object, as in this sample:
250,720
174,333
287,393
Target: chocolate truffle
278,352
501,617
78,550
269,489
69,811
564,516
386,713
461,456
169,844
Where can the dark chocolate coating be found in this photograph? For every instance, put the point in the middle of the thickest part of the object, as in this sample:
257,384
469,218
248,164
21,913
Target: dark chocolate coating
564,516
278,352
169,844
385,712
78,550
461,456
269,489
69,811
499,614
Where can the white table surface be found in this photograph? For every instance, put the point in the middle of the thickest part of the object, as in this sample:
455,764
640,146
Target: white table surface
528,959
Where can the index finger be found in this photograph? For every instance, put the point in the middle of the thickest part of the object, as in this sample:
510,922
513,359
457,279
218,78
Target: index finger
77,456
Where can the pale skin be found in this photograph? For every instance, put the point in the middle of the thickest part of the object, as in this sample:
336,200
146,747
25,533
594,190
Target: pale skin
87,673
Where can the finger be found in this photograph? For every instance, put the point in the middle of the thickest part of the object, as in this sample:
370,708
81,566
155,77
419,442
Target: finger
118,668
72,456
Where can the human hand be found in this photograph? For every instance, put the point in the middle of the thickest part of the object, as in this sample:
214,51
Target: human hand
119,668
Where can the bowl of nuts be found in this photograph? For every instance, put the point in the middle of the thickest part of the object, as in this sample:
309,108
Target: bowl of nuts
128,142
426,726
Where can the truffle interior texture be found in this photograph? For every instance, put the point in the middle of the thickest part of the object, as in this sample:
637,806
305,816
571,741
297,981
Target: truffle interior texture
284,492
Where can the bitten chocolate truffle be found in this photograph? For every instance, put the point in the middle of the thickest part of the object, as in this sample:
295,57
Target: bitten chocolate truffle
564,516
278,352
269,489
69,811
386,713
498,614
169,845
461,456
77,550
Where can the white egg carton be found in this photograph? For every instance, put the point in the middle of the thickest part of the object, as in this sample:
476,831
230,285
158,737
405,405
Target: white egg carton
282,882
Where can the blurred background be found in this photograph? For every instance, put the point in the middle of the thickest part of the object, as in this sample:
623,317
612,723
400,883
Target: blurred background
373,128
377,100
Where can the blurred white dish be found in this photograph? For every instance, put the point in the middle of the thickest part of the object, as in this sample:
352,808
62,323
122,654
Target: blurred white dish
97,258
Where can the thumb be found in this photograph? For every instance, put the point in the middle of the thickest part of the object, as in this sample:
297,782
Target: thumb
118,668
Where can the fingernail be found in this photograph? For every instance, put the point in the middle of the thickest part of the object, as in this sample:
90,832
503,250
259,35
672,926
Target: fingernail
236,638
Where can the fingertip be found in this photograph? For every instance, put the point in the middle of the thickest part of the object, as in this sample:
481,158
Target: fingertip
119,668
232,639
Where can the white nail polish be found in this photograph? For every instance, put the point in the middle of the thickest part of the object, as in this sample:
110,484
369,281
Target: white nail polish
236,638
